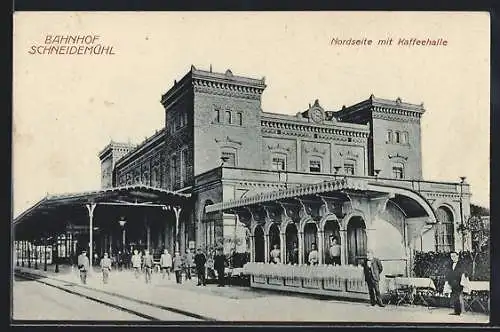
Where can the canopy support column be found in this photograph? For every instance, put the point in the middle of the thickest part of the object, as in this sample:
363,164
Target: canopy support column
301,248
90,208
29,254
177,211
321,246
45,250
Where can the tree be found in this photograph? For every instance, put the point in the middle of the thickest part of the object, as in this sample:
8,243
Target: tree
479,237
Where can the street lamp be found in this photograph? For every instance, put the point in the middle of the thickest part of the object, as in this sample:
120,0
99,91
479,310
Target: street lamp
122,223
462,181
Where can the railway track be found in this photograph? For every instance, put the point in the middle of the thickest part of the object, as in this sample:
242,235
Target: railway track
139,308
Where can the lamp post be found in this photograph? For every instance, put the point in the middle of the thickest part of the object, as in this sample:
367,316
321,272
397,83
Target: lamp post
122,223
55,255
462,181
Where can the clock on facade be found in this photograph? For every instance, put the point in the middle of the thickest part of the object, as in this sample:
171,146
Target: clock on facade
317,115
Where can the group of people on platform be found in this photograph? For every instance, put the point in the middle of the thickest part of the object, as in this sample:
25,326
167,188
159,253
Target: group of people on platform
213,263
332,257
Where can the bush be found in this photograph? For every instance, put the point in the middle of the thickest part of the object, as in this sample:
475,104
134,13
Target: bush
434,265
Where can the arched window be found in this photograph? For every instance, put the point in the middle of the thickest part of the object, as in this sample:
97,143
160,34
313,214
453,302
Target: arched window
216,116
444,238
228,117
404,137
397,137
389,136
240,119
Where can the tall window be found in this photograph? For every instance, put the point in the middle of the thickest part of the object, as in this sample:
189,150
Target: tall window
216,116
228,117
315,165
239,119
389,136
184,162
278,163
398,172
174,171
444,239
349,168
397,137
404,137
229,158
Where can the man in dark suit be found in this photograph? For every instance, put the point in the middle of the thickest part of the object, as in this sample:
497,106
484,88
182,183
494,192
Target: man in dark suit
372,269
454,277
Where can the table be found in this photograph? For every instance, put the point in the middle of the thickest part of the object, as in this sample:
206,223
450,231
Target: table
480,293
410,289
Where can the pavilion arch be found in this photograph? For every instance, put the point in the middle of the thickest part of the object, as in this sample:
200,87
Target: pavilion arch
310,237
274,235
356,239
259,243
354,213
304,221
331,228
291,236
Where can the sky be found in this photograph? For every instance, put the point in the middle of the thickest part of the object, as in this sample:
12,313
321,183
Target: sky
68,107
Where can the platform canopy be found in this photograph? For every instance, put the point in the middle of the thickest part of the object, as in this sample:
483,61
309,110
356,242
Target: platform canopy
52,212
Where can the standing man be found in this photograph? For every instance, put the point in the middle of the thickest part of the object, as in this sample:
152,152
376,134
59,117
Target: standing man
313,255
147,262
454,277
165,264
199,261
83,266
188,263
177,265
105,268
136,263
372,269
220,265
334,251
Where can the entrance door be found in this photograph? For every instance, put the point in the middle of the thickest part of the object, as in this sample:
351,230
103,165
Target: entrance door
259,244
356,240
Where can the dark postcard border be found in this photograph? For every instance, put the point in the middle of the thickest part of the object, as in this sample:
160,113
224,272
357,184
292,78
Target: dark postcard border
171,5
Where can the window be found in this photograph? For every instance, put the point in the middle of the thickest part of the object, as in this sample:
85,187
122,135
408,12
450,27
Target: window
228,117
177,122
397,137
389,136
229,158
278,163
173,171
184,163
404,138
217,116
397,172
349,168
240,119
315,165
443,235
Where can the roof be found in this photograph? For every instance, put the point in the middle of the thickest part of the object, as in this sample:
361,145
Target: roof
136,194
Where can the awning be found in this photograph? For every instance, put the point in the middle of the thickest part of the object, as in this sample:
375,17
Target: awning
73,204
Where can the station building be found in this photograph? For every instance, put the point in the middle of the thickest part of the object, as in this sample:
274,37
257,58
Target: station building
222,172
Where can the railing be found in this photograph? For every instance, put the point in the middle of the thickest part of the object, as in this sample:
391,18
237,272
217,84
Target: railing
320,279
